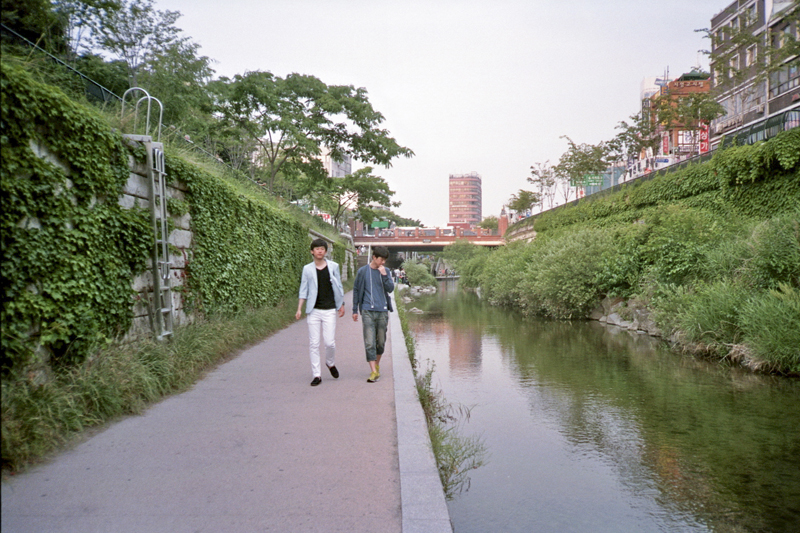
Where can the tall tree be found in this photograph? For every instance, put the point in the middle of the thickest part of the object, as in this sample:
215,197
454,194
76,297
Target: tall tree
523,201
292,118
82,20
356,193
633,139
543,177
579,163
387,214
177,75
491,223
137,31
36,21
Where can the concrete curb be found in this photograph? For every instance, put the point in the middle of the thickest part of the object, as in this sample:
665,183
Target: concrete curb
422,497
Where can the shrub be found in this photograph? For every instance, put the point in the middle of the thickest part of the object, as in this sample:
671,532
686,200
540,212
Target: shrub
771,325
621,262
709,313
503,270
470,270
418,275
560,280
679,238
775,253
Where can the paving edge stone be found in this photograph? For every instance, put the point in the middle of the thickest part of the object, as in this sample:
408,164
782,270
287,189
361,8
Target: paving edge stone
422,499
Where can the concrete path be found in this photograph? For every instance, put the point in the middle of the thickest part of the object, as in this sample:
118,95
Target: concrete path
252,447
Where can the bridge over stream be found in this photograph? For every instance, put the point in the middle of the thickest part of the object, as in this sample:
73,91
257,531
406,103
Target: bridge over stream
403,239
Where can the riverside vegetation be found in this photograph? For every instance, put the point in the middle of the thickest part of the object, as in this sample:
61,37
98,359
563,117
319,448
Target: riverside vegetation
456,455
712,251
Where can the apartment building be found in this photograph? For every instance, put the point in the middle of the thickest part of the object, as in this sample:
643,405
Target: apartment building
466,200
744,35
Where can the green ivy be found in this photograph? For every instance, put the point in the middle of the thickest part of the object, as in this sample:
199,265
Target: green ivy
69,249
177,207
247,254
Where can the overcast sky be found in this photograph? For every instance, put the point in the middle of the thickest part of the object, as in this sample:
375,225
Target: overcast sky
484,86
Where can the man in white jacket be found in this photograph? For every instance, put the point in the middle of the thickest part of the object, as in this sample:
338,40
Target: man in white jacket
322,291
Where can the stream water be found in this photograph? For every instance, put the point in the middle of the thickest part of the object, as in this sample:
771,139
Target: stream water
589,428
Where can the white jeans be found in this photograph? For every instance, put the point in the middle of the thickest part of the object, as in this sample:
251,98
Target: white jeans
327,319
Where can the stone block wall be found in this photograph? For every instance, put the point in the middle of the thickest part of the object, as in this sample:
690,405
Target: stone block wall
137,193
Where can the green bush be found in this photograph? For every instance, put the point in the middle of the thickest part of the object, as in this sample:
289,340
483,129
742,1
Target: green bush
418,275
776,253
678,240
559,282
503,270
710,314
771,325
700,246
470,269
621,262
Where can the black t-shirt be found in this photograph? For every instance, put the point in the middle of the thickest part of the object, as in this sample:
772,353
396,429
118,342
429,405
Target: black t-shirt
325,299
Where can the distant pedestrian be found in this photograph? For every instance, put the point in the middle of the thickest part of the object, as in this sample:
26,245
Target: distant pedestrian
321,289
371,298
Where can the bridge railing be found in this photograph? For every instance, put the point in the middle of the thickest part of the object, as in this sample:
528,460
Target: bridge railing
437,234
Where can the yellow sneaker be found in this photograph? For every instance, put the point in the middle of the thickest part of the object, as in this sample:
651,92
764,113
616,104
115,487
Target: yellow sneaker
373,377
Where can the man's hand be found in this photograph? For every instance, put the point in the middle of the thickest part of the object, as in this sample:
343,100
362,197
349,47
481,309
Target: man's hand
298,314
341,311
355,317
382,270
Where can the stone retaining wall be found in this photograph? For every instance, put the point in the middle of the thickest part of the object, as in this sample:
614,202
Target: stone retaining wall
137,193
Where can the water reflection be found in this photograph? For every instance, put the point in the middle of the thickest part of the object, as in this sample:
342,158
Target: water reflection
595,429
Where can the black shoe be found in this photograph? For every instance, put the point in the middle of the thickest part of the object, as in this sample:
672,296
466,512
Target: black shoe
316,381
334,372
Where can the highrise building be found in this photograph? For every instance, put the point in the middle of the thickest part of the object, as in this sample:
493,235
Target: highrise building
466,200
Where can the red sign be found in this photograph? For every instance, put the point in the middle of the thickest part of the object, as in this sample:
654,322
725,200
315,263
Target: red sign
703,138
665,143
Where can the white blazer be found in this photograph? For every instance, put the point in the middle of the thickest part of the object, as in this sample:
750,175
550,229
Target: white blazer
308,285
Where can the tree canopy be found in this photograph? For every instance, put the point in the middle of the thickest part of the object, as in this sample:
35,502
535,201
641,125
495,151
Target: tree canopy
523,201
356,192
291,119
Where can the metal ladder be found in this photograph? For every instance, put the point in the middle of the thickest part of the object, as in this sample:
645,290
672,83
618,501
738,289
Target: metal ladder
161,312
162,281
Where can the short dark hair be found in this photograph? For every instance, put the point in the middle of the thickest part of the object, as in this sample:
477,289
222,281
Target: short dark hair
380,251
317,243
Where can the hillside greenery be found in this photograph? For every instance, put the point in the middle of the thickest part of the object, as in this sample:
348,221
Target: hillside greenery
713,250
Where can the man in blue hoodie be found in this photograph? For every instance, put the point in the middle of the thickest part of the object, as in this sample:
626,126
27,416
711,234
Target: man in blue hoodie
322,292
371,298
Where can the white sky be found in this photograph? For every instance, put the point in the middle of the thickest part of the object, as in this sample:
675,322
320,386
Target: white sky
484,86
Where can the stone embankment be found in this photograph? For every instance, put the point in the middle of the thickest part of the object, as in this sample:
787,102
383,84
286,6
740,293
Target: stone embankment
630,314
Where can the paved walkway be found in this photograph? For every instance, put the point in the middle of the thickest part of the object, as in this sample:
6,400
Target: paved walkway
252,447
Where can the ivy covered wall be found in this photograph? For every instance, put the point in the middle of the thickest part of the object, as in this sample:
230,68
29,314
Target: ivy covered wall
246,254
75,250
69,249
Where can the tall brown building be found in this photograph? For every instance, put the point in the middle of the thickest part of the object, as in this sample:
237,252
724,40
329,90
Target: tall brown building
676,138
466,200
